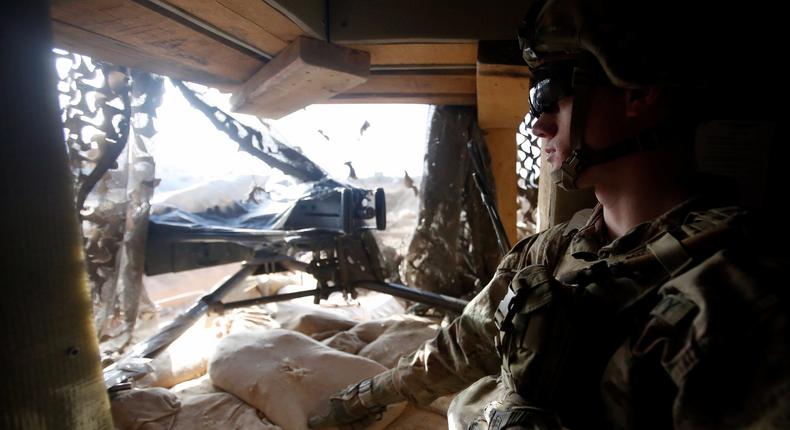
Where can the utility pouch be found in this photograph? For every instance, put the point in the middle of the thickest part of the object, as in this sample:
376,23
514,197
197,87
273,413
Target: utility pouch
535,321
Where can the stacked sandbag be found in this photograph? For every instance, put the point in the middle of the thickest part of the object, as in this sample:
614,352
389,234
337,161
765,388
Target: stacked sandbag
184,359
312,322
202,385
187,357
279,374
287,375
160,409
359,336
385,340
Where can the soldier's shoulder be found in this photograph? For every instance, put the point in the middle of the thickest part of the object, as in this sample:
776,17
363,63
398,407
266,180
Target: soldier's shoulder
530,249
716,217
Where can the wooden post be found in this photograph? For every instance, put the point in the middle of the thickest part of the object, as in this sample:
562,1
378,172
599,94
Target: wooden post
502,102
501,144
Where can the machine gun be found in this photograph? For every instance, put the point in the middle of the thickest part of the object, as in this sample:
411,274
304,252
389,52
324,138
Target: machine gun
326,233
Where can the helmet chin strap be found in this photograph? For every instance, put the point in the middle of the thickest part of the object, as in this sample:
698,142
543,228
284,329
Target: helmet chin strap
565,177
582,156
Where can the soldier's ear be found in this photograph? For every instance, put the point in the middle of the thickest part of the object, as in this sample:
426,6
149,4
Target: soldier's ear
643,101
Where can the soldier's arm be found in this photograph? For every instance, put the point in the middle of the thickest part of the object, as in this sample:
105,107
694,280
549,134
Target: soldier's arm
459,354
464,351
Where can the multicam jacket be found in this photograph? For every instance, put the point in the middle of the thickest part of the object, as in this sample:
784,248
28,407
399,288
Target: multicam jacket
709,350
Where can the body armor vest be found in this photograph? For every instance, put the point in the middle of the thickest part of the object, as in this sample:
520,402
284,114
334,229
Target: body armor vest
556,335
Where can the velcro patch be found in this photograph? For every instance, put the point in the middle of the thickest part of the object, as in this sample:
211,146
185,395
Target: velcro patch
673,309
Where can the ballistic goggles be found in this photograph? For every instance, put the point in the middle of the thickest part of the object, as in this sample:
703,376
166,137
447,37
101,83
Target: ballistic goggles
554,81
550,85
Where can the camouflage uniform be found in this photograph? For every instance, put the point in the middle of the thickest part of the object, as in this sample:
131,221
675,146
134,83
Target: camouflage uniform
691,339
708,349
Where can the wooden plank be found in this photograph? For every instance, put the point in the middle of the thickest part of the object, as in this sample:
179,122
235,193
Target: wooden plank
420,54
309,15
426,99
502,102
502,95
373,21
461,82
102,48
253,22
308,71
266,16
502,147
125,23
449,87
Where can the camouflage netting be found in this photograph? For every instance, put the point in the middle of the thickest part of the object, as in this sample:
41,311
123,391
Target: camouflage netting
107,113
528,165
453,250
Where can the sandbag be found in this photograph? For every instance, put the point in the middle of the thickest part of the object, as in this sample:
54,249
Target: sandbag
311,320
401,338
370,330
346,341
187,357
287,375
200,385
215,411
144,409
159,409
174,367
354,339
368,305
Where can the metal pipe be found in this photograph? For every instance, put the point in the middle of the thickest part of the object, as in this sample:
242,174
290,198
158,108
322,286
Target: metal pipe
404,292
119,372
267,299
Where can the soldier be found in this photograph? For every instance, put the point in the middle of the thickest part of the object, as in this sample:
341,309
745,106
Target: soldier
657,310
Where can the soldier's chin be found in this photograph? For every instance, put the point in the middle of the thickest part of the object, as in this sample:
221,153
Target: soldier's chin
555,160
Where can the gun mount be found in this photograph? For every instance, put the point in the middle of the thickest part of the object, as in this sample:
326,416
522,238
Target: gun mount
330,224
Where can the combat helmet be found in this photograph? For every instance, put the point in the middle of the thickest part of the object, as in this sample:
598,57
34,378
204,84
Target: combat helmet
572,45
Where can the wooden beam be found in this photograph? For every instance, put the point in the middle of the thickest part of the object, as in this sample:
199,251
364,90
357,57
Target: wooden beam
309,15
450,87
268,16
424,98
103,48
501,143
420,54
502,95
308,71
374,21
502,85
116,26
502,103
251,21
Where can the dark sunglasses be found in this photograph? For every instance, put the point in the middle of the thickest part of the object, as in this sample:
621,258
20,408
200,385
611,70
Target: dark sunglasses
545,95
554,81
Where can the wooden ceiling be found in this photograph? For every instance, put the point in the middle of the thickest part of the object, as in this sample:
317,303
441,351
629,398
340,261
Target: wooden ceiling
420,52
